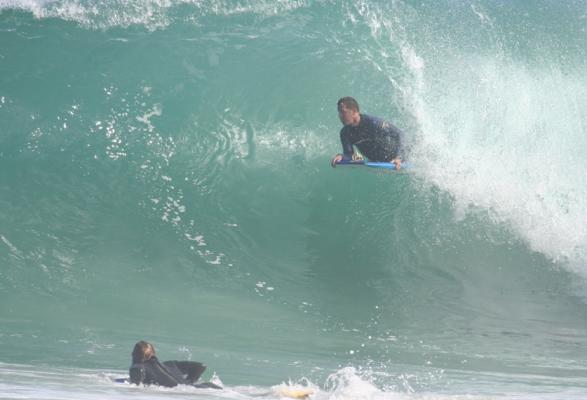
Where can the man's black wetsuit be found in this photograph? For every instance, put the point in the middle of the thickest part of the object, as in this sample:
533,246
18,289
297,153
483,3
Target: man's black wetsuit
376,139
168,373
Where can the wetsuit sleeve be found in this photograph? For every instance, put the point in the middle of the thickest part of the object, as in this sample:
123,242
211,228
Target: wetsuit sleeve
137,373
192,369
397,135
347,145
157,373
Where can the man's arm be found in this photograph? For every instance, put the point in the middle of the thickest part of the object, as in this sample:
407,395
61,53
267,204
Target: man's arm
347,145
137,373
159,374
347,149
397,136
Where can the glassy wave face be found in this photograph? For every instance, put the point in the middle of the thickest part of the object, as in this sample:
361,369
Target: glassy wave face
164,175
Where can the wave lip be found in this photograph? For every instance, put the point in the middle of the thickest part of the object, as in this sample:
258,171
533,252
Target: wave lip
153,14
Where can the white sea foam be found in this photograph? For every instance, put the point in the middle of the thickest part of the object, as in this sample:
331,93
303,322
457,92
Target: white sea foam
496,142
153,14
500,134
21,381
13,249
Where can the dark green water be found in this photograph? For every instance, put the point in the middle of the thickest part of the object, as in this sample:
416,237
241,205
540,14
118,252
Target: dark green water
164,175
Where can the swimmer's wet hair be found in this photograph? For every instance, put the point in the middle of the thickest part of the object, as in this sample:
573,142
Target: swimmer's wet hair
349,103
142,352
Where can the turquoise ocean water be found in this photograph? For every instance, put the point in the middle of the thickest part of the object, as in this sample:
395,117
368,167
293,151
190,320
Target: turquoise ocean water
164,175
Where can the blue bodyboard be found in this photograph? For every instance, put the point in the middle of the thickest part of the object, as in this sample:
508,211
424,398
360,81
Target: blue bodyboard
380,165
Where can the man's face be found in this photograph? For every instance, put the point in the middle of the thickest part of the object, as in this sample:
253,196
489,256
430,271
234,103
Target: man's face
348,116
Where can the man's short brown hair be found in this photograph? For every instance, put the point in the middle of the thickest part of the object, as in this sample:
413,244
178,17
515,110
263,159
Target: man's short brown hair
349,103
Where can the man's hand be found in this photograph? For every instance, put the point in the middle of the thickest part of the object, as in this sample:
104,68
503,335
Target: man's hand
398,163
335,159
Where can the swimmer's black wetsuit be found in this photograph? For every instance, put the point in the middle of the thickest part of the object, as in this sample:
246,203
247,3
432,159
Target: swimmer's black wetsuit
168,373
376,139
